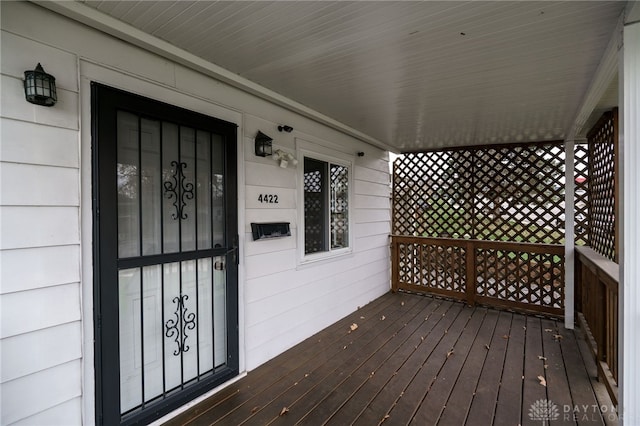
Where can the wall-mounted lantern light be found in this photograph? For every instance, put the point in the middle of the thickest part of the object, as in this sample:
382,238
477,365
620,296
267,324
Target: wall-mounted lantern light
40,87
263,145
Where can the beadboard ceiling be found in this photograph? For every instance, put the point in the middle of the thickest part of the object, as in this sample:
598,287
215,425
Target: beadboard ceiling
413,75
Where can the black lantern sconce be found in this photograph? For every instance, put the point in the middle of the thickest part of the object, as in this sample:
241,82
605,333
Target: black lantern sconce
263,145
40,87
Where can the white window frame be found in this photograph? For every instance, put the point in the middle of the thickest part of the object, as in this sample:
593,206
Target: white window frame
331,156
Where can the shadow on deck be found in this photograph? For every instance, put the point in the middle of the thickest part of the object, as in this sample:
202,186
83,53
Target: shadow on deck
410,359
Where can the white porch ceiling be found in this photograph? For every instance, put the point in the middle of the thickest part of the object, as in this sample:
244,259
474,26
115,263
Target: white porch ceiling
413,75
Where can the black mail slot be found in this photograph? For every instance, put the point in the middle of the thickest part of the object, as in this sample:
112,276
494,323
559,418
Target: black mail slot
270,230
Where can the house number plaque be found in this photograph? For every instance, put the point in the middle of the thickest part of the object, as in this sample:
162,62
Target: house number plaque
268,198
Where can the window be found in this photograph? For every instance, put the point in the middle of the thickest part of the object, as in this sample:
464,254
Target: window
326,206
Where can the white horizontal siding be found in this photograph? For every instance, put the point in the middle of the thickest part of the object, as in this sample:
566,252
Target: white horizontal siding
38,392
24,227
287,302
38,309
47,348
38,185
66,413
13,105
32,143
40,289
27,269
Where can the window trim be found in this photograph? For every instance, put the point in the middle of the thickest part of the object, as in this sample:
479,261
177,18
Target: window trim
330,156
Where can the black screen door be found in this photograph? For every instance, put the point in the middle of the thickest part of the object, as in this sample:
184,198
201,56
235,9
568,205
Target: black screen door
165,209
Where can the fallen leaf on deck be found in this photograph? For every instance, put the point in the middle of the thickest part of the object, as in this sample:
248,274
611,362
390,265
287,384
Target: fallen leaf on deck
449,353
543,382
542,357
361,317
548,330
254,409
306,375
401,303
382,318
524,327
506,336
486,346
354,327
284,411
557,336
344,347
546,366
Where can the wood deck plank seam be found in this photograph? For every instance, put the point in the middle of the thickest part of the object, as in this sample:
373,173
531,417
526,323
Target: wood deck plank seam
253,384
477,355
371,413
378,383
508,403
363,374
294,407
438,394
333,361
406,403
486,398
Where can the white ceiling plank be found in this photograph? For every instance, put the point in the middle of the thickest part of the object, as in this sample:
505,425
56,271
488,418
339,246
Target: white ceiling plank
413,74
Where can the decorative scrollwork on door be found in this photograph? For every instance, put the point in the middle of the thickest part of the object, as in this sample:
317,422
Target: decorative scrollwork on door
179,189
177,328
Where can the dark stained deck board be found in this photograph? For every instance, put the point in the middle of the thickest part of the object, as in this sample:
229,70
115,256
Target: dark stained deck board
509,404
266,406
397,390
460,399
558,391
303,397
483,406
387,356
582,393
435,400
396,371
382,389
533,391
234,397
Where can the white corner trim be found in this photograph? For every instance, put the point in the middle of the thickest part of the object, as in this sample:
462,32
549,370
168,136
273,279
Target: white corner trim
569,236
98,20
629,297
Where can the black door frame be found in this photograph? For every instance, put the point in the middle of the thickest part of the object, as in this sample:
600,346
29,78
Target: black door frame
105,102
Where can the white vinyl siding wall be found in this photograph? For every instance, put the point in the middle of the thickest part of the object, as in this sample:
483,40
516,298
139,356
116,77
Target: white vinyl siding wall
46,291
40,288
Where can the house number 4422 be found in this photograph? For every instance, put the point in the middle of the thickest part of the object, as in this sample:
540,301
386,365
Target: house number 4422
268,198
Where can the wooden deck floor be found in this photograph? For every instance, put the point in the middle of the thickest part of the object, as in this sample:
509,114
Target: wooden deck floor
420,360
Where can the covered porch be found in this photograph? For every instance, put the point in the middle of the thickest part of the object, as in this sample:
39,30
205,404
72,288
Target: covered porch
413,359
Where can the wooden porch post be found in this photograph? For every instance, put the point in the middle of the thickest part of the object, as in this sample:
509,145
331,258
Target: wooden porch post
629,321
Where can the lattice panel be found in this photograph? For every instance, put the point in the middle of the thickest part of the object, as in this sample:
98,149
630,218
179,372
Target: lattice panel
432,266
432,194
520,277
499,193
314,240
602,174
581,194
520,194
339,206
